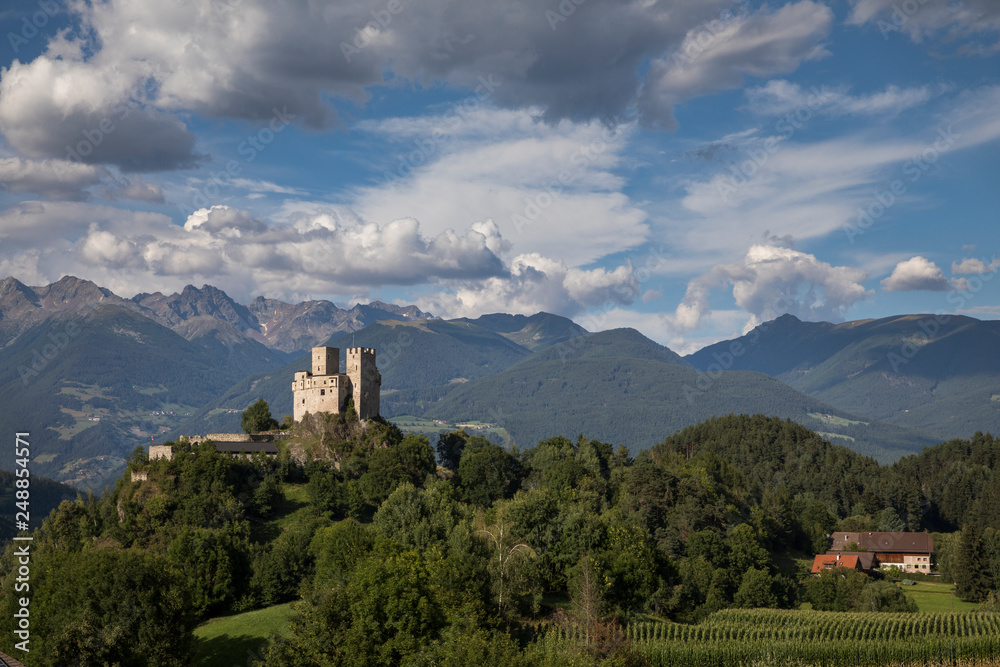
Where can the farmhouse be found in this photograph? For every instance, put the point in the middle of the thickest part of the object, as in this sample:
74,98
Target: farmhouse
910,552
862,562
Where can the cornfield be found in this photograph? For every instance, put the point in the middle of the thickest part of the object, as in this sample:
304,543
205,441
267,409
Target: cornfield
830,639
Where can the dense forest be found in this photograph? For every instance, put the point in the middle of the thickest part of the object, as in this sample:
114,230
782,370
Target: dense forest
463,552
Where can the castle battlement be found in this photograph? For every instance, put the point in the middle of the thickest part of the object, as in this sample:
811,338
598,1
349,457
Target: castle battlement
325,389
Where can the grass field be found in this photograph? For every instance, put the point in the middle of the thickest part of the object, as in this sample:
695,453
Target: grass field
421,426
231,641
830,419
935,597
288,511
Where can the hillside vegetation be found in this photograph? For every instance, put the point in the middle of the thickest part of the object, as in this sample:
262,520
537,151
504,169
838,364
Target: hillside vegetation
470,553
933,373
622,387
115,379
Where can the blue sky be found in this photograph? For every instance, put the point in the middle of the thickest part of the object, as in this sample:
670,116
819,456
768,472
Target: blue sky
689,168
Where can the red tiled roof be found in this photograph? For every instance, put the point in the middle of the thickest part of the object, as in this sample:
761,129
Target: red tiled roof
830,561
866,558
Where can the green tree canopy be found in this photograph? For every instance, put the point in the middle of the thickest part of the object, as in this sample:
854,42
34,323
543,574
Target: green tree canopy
257,418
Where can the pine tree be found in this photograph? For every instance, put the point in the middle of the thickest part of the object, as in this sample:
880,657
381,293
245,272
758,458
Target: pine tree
973,579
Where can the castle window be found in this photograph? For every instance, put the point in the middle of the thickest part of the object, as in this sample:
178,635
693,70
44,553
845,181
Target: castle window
322,392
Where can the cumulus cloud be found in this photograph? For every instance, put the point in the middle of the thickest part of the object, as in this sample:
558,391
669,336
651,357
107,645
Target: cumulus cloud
972,26
318,255
92,111
51,179
772,280
974,265
778,97
536,181
536,283
721,53
916,274
111,91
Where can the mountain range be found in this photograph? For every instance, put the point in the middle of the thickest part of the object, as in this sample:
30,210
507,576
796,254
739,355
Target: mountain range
936,373
101,374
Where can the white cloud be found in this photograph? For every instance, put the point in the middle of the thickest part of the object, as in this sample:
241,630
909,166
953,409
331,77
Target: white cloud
320,255
52,179
114,91
135,188
545,186
771,281
974,265
972,26
961,284
536,283
258,187
90,111
779,182
720,54
779,97
915,274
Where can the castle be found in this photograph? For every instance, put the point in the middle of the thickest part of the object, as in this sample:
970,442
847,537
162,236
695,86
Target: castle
325,389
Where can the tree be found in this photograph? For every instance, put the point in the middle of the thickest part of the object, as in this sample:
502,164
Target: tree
487,474
889,521
449,448
105,606
586,596
257,418
756,590
884,596
973,579
412,460
506,555
387,610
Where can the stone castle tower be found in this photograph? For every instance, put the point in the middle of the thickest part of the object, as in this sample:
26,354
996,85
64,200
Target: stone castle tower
326,389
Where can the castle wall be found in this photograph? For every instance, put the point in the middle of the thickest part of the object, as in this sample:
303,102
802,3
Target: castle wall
319,398
326,360
324,389
161,452
366,381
